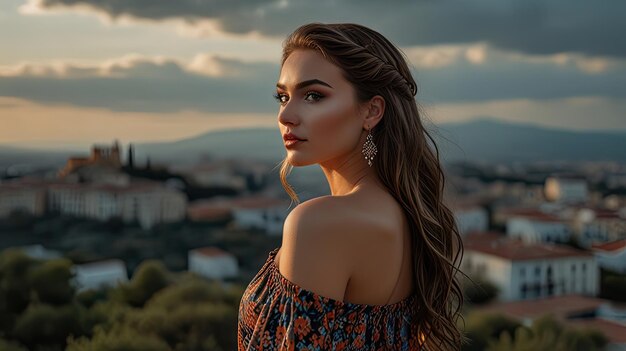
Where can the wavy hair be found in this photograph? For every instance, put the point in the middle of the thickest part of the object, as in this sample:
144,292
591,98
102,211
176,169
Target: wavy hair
405,163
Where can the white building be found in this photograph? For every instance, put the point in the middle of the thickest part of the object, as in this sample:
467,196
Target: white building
596,226
251,212
151,205
566,189
147,202
538,227
470,218
28,197
525,271
213,263
96,275
612,255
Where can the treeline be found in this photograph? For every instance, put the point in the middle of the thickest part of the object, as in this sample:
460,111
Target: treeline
156,310
41,310
494,332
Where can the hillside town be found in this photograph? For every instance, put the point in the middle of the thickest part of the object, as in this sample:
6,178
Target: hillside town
549,239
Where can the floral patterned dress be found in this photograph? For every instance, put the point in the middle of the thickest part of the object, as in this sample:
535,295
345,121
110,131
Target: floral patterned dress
277,314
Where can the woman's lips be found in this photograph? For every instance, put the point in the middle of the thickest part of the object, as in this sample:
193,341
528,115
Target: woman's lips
293,142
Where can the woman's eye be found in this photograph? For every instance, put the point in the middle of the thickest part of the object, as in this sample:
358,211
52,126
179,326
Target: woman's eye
279,98
316,95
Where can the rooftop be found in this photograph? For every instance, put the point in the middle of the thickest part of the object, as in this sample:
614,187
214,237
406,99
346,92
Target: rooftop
612,246
515,249
559,306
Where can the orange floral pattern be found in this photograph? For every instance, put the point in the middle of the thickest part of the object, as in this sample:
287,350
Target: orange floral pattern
277,314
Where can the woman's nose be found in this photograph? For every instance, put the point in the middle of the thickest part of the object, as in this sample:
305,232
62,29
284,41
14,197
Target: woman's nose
288,115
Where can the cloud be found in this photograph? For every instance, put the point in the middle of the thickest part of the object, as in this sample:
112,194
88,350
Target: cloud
532,27
478,72
143,84
212,83
439,56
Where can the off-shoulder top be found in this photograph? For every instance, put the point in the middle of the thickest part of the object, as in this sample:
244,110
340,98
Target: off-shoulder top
277,314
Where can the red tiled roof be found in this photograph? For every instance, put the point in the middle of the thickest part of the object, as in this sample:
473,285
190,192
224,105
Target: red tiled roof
488,235
257,202
608,215
530,213
610,246
517,250
211,251
248,202
558,306
203,213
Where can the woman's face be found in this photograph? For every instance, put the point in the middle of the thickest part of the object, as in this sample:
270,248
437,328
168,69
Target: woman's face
317,104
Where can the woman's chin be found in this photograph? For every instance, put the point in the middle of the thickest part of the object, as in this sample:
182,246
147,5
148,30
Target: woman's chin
296,161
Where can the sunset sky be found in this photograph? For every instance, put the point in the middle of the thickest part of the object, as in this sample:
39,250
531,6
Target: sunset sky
75,72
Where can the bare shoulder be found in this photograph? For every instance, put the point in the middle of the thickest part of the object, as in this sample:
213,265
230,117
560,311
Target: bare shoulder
310,255
324,240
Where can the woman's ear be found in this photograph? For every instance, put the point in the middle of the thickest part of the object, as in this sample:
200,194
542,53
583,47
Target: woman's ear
375,111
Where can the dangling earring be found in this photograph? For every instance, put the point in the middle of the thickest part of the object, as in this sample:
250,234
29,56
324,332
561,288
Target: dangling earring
369,148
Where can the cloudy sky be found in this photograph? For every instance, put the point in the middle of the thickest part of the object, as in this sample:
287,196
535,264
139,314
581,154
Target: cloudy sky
74,72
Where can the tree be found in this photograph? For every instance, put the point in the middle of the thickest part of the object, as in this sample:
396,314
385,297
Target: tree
547,334
11,346
14,286
482,327
117,339
51,281
43,324
150,277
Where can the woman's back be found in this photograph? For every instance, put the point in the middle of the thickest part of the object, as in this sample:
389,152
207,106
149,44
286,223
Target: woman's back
377,309
383,272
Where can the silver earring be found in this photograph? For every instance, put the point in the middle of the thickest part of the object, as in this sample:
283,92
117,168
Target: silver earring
369,148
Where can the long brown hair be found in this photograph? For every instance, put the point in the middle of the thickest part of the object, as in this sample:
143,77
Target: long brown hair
405,163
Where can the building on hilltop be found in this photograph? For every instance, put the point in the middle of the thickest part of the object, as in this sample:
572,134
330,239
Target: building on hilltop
523,270
108,156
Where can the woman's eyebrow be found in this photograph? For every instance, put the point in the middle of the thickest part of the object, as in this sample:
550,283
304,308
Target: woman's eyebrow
304,84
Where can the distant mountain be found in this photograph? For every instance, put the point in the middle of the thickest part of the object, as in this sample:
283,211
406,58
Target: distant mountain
252,143
485,139
490,139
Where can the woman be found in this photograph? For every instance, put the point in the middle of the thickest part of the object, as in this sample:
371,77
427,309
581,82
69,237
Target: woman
371,266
